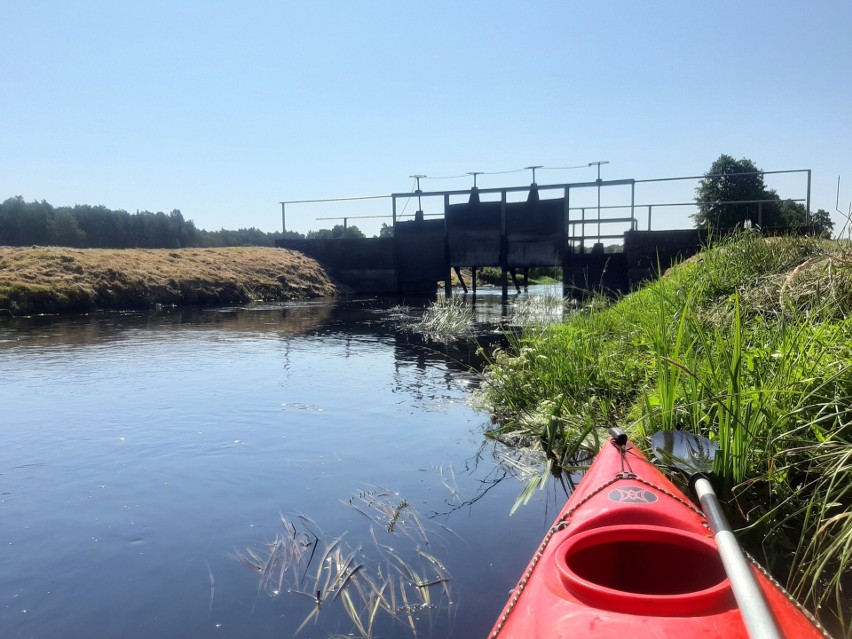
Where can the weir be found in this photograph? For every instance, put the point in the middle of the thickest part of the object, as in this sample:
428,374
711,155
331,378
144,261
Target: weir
514,229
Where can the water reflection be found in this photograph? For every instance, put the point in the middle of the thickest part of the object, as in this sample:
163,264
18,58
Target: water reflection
282,320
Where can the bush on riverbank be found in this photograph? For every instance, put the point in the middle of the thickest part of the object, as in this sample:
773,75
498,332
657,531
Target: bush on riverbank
56,280
748,343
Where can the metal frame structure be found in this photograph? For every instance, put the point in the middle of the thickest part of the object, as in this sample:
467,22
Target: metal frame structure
566,191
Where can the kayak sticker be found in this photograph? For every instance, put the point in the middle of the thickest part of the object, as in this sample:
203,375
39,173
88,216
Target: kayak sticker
632,495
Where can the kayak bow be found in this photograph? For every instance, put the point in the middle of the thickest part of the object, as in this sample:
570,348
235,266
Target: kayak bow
631,556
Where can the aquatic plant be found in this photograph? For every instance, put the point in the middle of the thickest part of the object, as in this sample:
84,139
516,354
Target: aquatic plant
369,585
446,320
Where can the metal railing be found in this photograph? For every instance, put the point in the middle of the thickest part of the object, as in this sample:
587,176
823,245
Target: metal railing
565,190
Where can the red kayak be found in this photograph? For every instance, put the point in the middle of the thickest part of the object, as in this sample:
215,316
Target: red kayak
631,556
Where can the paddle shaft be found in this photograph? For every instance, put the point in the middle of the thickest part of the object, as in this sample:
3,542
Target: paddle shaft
758,619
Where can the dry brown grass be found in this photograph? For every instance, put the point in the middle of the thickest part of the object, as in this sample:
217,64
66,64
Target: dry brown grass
55,280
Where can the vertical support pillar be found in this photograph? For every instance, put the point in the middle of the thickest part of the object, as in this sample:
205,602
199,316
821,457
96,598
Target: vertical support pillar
461,279
808,200
633,223
649,217
504,276
393,210
395,250
448,278
566,244
598,239
473,278
283,218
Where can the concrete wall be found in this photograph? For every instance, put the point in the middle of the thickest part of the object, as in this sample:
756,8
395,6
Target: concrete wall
649,252
599,272
421,252
365,265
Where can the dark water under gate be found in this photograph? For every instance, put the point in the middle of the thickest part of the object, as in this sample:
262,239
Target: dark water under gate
142,454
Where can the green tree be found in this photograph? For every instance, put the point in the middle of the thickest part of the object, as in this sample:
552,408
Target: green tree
822,222
63,230
23,223
386,230
728,181
338,232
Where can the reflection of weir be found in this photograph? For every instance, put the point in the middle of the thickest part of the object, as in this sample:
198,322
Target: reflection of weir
429,357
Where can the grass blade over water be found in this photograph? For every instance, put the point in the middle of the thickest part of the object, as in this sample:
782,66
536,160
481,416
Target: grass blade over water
370,586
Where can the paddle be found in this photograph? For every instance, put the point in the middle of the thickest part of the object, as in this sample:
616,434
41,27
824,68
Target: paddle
694,455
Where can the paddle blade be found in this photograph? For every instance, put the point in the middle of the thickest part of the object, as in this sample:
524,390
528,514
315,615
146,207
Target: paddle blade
689,452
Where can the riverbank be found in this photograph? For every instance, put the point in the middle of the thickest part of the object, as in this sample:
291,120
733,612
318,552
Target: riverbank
64,280
748,343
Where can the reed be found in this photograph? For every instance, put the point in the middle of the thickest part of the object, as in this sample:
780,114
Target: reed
372,586
446,320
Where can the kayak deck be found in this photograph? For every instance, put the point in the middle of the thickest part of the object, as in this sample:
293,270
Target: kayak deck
631,556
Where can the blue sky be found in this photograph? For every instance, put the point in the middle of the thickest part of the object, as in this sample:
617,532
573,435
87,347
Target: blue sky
224,109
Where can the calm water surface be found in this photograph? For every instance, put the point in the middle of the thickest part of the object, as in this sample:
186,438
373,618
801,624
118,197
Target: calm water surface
142,453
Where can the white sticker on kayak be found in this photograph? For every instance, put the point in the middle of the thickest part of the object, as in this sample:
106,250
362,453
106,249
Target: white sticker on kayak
632,495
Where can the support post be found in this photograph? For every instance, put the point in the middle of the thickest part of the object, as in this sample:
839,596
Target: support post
566,245
808,202
448,282
515,280
504,279
633,224
461,279
283,218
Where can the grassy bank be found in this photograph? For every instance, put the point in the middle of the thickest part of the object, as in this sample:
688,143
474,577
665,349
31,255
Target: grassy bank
57,280
748,343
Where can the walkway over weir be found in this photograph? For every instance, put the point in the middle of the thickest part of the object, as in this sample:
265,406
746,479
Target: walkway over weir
514,229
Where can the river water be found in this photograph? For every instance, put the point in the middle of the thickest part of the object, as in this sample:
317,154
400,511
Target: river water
203,473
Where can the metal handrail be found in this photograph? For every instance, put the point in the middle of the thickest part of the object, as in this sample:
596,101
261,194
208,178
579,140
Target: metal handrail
566,188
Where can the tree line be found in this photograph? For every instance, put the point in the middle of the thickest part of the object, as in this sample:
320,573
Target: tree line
84,226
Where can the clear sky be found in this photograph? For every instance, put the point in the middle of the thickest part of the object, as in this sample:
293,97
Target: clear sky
223,109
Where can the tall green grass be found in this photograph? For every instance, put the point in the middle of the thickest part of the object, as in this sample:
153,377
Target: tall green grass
748,344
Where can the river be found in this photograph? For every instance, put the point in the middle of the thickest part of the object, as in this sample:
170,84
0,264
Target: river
205,472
